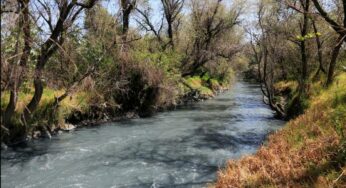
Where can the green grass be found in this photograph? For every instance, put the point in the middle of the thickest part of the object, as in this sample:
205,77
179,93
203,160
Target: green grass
205,91
201,86
194,82
45,114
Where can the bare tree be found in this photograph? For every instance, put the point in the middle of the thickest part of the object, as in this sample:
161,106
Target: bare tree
172,9
340,29
18,69
267,48
68,11
319,49
127,7
148,26
208,26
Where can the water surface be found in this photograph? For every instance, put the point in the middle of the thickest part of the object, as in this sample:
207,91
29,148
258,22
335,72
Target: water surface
182,148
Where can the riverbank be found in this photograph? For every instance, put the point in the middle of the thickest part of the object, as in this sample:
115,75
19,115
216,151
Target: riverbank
80,109
308,152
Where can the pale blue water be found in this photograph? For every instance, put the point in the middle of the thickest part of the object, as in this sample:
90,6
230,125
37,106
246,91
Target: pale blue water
182,148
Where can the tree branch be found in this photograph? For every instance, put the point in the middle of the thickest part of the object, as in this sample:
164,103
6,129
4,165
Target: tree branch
325,15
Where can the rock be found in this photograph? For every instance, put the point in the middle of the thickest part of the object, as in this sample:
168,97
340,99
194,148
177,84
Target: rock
67,127
28,138
3,146
106,118
36,134
47,134
131,115
52,128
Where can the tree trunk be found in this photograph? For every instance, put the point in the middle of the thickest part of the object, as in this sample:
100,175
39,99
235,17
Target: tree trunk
38,85
303,66
19,71
127,7
281,65
49,47
126,16
333,60
338,29
304,31
170,34
10,108
319,50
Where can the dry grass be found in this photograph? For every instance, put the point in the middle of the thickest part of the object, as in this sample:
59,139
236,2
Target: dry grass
282,85
308,152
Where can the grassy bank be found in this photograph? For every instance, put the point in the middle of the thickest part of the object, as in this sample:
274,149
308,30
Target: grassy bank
47,115
86,107
310,151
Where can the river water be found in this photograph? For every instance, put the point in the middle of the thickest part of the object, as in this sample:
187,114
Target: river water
181,148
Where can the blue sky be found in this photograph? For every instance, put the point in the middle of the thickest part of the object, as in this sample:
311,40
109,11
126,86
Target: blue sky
113,8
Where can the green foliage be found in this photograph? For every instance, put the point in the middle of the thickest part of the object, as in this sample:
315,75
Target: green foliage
206,77
194,82
308,36
214,84
8,43
47,114
168,61
297,105
202,85
205,91
339,119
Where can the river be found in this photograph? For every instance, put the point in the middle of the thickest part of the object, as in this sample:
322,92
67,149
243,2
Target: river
181,148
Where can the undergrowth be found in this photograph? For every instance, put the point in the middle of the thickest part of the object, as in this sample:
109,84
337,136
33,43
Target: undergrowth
46,114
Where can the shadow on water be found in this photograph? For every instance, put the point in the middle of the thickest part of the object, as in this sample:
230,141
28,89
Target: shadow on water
25,152
216,139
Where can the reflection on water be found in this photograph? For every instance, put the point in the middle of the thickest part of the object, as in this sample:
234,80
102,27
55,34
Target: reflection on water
182,148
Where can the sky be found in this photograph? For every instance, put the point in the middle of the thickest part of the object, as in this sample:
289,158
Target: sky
156,15
247,17
114,8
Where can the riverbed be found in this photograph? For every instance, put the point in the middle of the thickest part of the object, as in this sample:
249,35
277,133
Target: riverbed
181,148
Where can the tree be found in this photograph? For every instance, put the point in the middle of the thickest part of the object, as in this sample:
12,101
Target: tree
146,24
340,29
68,12
171,9
18,69
304,31
319,49
127,7
268,43
303,40
210,23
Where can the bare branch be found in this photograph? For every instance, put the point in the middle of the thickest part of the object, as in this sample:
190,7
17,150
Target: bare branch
338,28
